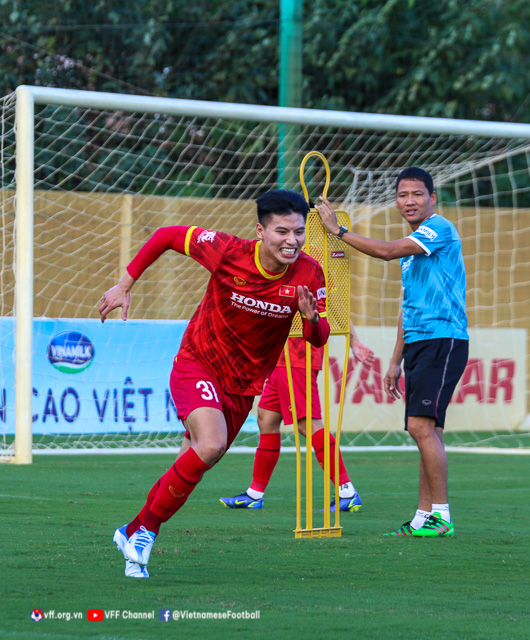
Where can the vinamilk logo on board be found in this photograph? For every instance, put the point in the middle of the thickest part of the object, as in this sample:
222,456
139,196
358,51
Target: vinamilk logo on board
71,352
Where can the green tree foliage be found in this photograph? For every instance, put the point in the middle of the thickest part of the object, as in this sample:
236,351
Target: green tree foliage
448,58
202,50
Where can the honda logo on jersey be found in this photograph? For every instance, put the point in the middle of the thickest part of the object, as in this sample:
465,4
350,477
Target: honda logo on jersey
259,305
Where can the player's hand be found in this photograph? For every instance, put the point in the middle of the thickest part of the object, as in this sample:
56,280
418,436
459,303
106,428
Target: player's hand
116,297
391,383
362,353
307,304
328,216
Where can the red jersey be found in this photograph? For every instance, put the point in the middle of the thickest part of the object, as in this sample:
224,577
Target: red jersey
297,355
239,329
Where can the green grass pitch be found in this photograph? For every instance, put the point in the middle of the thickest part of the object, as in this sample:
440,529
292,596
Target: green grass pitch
59,515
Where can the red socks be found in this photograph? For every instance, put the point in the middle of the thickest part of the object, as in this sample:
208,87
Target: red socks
268,453
170,492
135,524
318,446
265,460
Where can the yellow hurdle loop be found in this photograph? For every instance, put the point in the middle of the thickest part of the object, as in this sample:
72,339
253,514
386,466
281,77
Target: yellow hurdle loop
334,257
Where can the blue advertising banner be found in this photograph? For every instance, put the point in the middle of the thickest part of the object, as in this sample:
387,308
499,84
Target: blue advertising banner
90,377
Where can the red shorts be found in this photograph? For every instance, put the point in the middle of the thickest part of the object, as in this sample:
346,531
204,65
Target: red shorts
276,394
193,386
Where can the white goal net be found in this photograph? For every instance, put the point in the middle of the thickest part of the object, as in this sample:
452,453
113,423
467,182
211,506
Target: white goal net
88,177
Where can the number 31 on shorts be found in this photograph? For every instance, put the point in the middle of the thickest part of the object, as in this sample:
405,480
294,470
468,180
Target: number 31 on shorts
208,390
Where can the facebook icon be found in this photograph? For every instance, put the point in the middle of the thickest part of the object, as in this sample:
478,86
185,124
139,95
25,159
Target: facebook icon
165,615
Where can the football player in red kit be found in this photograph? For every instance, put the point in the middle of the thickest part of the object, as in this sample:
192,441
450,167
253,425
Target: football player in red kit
231,344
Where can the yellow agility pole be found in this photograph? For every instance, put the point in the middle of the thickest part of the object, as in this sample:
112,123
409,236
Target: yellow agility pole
296,438
334,257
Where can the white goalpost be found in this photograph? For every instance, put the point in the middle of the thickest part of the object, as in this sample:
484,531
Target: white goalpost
87,177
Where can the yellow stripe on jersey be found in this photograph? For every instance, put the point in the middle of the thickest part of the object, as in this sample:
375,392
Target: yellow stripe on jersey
188,240
262,270
324,314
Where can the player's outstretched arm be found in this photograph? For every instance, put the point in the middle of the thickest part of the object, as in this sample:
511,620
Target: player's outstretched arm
117,296
384,249
162,240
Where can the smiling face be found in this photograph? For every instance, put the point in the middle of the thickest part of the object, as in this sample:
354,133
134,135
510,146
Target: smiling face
414,201
282,238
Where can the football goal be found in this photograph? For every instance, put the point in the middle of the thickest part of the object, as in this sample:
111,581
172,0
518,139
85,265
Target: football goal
87,177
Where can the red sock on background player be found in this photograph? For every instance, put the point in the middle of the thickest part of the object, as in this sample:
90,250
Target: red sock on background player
265,460
318,446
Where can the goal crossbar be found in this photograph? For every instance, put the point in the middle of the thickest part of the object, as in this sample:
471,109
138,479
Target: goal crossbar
28,97
285,115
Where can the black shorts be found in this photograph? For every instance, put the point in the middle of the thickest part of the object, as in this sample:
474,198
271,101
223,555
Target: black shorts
432,370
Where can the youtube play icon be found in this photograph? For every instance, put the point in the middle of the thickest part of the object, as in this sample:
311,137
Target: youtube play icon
95,615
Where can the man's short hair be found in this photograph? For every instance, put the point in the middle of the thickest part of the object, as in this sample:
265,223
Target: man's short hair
282,202
415,173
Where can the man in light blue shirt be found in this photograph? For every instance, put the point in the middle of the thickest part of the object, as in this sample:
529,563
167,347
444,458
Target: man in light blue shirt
432,338
434,283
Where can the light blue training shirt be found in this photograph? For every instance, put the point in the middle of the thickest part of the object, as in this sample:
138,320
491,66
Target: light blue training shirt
434,284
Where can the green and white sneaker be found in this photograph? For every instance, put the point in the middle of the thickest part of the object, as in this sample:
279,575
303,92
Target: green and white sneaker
405,531
434,527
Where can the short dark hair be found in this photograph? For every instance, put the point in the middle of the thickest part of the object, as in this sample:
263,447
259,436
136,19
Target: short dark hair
415,173
282,202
